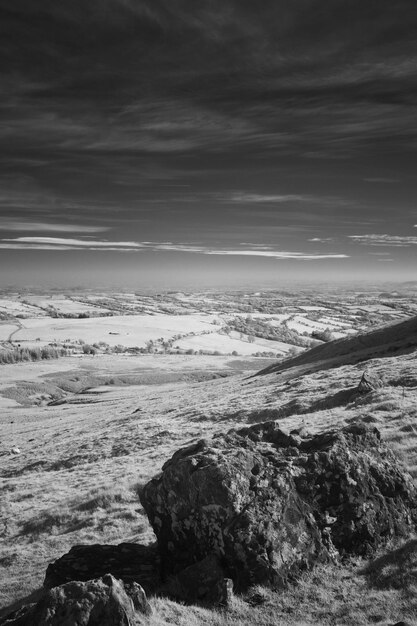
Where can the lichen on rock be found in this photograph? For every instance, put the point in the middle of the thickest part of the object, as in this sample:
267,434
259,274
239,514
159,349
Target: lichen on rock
268,504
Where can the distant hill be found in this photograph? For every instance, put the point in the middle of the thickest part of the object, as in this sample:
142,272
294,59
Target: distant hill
391,340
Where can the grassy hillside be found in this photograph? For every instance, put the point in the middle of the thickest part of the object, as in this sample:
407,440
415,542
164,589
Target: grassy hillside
386,341
80,464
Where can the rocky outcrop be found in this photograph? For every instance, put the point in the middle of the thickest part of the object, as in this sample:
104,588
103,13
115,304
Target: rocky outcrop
267,504
369,382
127,561
101,602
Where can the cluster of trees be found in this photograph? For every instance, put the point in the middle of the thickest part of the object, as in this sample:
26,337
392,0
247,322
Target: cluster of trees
323,335
18,355
4,316
260,328
52,312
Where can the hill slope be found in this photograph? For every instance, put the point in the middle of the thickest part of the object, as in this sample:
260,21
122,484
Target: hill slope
390,340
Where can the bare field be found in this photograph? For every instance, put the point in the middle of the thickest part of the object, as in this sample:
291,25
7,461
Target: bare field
128,330
275,322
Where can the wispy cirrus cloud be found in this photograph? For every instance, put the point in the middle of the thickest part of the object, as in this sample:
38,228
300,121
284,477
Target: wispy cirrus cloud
400,241
327,201
276,254
22,226
382,180
321,239
55,243
253,198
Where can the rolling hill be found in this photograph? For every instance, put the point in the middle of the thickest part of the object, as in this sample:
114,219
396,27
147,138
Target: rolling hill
392,340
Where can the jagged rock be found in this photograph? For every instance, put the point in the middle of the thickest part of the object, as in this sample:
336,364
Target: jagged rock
101,602
127,561
204,583
369,382
268,504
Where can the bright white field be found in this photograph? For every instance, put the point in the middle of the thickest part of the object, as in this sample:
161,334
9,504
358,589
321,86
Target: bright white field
14,307
127,330
274,320
313,308
334,321
301,325
6,330
227,344
64,305
136,330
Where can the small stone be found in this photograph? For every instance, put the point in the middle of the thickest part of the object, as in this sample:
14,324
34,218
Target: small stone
369,382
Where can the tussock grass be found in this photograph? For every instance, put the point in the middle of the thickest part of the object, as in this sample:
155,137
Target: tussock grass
106,505
387,405
330,595
104,498
51,522
66,487
396,569
20,355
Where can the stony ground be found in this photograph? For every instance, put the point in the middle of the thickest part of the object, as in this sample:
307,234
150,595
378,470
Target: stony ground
80,464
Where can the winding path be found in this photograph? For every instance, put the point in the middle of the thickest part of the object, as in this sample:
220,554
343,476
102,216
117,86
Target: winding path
19,327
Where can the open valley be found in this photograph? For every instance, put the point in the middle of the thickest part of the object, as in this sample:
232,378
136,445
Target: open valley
82,433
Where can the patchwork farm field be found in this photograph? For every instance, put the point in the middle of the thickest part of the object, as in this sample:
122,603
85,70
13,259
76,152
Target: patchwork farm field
262,324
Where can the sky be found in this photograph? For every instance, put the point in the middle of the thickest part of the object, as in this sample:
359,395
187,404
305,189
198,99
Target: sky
193,143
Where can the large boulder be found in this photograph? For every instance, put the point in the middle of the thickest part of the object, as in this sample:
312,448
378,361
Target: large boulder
268,504
127,561
101,602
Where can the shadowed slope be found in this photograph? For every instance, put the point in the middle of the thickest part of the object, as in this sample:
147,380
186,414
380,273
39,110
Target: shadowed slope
387,341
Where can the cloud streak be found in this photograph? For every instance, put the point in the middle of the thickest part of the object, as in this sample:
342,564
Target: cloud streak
54,243
49,227
256,198
75,244
400,241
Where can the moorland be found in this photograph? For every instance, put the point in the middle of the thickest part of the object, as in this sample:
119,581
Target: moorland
98,390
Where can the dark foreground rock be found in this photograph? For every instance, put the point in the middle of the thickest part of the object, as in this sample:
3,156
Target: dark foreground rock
267,504
127,561
203,583
101,602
